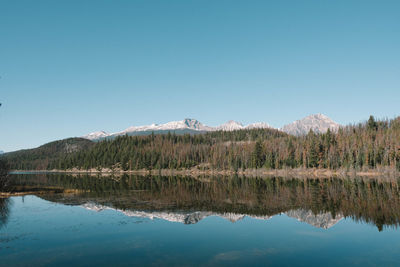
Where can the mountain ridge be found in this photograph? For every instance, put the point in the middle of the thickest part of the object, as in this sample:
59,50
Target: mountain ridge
319,123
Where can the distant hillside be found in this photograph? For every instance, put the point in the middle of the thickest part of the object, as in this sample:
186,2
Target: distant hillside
39,158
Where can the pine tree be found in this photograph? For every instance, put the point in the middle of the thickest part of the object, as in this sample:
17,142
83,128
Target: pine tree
372,125
258,156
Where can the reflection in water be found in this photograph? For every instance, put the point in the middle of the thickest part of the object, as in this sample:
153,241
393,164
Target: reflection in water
5,204
319,202
175,216
322,220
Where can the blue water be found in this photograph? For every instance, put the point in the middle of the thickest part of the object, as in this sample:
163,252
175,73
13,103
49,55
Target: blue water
40,232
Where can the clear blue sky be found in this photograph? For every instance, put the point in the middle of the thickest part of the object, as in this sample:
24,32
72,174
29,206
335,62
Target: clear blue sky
72,67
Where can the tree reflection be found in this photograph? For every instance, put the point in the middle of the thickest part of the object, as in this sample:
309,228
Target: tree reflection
366,200
5,204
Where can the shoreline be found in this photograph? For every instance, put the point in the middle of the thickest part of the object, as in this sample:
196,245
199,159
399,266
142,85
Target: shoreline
37,191
194,172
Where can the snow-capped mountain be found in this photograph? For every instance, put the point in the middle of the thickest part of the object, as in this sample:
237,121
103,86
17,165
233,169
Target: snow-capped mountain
319,123
183,126
186,124
96,135
259,125
230,126
322,220
234,125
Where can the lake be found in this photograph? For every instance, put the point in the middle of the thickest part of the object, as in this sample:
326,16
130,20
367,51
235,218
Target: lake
85,220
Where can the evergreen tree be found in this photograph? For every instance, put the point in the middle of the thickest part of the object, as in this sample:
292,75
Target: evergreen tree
372,125
258,155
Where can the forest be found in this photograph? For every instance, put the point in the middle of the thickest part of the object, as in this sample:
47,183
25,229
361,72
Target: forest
364,146
40,158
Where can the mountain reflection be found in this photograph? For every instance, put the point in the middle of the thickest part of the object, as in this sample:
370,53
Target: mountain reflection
319,202
322,220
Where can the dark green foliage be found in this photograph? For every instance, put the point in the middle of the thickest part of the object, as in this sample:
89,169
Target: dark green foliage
372,125
3,168
40,158
258,155
4,178
171,151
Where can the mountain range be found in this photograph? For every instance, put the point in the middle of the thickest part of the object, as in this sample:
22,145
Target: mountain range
322,220
319,123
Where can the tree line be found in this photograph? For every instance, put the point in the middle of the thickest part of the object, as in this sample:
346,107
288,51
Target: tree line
363,146
368,145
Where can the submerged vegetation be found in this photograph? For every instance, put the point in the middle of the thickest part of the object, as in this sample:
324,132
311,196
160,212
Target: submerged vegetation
370,145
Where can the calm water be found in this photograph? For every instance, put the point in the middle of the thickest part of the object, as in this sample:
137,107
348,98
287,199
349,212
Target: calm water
211,221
